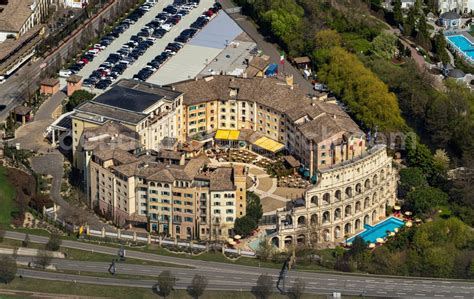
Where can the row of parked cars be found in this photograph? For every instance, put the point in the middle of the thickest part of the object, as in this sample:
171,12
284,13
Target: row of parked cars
117,62
106,40
173,48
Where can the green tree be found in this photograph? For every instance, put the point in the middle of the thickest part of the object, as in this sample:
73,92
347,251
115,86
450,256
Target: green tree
418,154
254,207
327,38
409,23
440,48
244,225
384,45
8,269
198,286
425,199
263,289
423,36
358,247
2,235
397,12
54,242
411,178
366,96
77,98
166,283
438,261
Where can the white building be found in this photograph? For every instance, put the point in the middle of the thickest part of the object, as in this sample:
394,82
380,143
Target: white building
19,16
75,3
461,6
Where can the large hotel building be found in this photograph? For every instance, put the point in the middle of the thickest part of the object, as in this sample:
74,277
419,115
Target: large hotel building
155,181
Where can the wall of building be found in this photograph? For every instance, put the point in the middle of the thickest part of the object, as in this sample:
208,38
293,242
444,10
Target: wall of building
344,199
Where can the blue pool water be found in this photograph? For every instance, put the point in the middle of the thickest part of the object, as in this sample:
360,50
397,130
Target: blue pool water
371,233
462,44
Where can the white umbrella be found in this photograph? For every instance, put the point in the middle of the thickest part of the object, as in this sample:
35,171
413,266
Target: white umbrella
408,213
371,245
379,240
237,237
409,224
397,208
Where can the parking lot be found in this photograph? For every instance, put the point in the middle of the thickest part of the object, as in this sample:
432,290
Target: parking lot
151,52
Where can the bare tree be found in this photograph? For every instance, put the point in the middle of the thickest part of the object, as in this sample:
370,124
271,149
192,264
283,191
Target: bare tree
265,249
7,269
198,286
166,283
297,290
263,289
43,258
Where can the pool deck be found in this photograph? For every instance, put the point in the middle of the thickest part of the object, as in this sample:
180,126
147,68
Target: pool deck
466,35
373,226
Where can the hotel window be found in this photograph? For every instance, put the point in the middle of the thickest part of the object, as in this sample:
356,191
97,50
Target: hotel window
202,105
229,211
229,219
191,108
217,211
223,110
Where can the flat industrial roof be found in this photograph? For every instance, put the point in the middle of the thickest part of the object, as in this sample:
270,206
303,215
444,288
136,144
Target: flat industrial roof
128,99
218,33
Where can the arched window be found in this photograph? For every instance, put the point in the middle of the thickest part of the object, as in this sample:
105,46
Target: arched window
338,195
358,188
348,211
314,200
337,214
367,184
349,192
358,206
326,217
326,198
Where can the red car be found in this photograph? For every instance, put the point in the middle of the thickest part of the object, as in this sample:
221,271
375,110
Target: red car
85,60
209,13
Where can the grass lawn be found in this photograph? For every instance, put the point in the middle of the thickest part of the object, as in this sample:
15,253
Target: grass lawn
7,195
57,287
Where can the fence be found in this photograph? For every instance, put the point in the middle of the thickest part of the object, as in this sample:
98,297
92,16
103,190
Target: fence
51,214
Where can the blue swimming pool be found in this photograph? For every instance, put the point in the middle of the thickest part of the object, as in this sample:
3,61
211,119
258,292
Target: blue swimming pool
462,44
371,233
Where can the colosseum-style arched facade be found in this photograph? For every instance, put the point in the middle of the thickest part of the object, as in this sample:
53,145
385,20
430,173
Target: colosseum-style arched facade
345,198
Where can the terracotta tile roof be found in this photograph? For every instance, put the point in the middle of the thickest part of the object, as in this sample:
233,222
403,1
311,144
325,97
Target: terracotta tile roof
323,118
74,79
15,14
50,82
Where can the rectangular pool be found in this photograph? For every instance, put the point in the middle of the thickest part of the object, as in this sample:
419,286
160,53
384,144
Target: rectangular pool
461,43
372,233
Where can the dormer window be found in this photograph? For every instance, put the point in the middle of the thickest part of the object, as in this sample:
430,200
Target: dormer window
233,92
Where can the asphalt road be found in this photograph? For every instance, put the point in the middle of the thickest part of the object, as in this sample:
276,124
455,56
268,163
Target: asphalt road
236,277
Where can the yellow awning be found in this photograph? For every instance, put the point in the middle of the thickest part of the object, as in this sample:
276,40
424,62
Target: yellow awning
269,144
227,134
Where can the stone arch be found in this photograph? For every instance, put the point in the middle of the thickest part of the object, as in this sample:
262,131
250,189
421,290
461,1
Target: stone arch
358,206
314,200
152,184
367,184
358,188
301,221
366,202
381,209
348,211
326,198
357,225
189,232
166,185
159,185
382,174
338,195
375,198
326,235
349,192
288,241
375,180
366,219
301,239
314,219
337,214
326,217
347,228
288,219
374,216
275,242
337,232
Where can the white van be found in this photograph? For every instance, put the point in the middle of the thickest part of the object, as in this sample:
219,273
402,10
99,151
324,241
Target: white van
2,79
65,73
